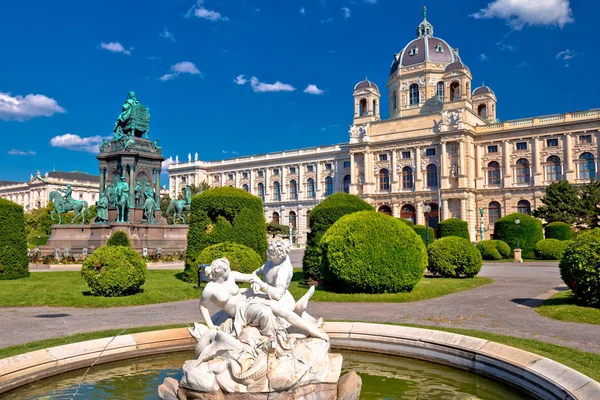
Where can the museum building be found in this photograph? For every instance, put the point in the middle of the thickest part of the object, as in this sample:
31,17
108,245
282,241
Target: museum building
441,146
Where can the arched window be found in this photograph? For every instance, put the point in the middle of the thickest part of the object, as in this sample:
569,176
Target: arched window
553,169
524,207
523,171
413,94
494,211
407,178
275,218
439,92
293,221
493,173
434,215
328,186
385,209
293,190
408,212
374,109
384,180
362,108
432,175
587,166
310,188
276,191
394,100
261,191
454,91
482,111
347,184
308,219
245,187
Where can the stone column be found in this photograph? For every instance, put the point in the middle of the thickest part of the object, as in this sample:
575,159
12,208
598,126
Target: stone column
267,186
568,156
132,184
317,181
353,179
463,209
250,181
478,158
299,185
443,167
506,174
537,172
102,177
283,182
462,164
420,219
444,206
418,172
157,185
394,174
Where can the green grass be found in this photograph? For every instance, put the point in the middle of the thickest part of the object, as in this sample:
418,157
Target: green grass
562,307
68,289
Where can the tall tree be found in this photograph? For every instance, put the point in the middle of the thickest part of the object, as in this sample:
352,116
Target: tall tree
590,204
561,203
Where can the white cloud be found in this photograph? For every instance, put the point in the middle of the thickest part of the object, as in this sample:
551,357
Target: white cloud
371,1
167,35
184,67
303,11
15,152
115,47
77,143
259,86
483,57
567,54
503,46
200,11
313,89
22,108
345,12
324,21
240,80
519,13
323,129
332,52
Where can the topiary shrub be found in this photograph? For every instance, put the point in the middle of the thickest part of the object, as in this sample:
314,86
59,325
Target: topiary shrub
14,263
112,271
454,227
493,249
580,268
453,256
370,252
224,214
323,216
407,222
558,230
420,230
530,232
241,258
550,249
118,238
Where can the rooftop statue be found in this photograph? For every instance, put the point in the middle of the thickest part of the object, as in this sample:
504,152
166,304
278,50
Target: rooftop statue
134,120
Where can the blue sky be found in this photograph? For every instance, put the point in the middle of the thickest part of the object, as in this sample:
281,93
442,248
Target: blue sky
67,67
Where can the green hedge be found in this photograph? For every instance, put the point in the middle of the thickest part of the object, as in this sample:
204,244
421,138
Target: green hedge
530,232
14,263
420,230
493,249
558,230
114,271
241,258
407,222
323,216
225,214
454,257
118,238
370,252
550,249
580,268
454,227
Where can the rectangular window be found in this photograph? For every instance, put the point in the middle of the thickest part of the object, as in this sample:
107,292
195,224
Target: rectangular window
552,142
406,154
328,166
276,172
383,157
292,170
260,174
492,149
585,139
309,168
346,164
230,177
245,175
215,179
430,152
522,146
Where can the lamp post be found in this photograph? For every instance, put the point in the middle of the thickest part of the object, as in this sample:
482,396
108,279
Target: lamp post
517,223
427,209
481,225
518,257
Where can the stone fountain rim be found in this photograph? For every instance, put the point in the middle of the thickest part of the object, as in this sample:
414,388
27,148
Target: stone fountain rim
536,375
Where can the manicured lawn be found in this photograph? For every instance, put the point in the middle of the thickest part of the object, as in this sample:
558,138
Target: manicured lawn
68,289
562,307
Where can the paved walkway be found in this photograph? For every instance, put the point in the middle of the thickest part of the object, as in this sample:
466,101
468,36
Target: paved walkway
504,307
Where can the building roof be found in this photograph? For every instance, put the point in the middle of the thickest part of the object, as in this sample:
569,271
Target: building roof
455,65
482,90
366,84
76,176
7,183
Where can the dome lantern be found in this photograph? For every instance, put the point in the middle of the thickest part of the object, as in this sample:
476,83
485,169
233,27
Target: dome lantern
424,28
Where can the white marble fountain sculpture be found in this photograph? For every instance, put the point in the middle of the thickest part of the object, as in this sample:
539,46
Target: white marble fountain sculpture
262,344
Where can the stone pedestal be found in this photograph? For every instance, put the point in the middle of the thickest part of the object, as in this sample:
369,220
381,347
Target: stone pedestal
518,258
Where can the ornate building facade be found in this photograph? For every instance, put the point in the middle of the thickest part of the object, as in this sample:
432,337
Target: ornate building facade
442,145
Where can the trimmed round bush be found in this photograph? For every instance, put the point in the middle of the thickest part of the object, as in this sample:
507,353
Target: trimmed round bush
14,263
112,271
420,230
407,222
118,238
241,258
550,249
580,268
220,215
323,216
558,230
454,257
370,252
493,249
530,232
454,227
